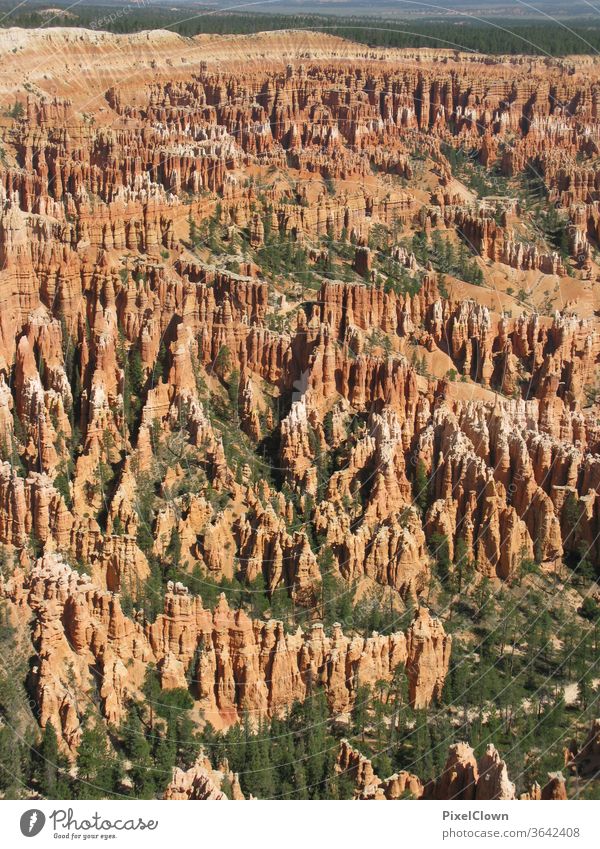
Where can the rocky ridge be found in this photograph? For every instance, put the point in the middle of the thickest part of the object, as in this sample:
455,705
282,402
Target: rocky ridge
463,778
84,643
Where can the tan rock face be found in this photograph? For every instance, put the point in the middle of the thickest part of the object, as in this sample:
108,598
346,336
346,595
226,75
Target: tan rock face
428,650
175,407
463,778
203,783
459,779
493,782
238,665
368,785
555,788
85,288
195,784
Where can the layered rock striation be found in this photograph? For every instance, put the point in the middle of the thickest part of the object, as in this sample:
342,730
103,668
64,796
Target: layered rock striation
231,664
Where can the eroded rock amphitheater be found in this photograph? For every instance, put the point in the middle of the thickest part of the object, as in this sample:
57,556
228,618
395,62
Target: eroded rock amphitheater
298,373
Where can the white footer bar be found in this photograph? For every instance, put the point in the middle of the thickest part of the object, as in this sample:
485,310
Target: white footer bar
296,825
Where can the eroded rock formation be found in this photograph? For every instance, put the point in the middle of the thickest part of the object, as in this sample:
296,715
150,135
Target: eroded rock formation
236,665
463,778
262,326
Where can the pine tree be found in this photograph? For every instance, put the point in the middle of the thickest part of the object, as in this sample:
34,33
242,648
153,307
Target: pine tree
161,366
461,563
398,693
259,768
164,756
421,486
360,709
173,556
440,551
98,772
284,757
50,766
138,751
317,717
11,780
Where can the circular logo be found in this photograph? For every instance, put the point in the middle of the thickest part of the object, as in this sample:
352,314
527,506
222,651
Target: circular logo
32,822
